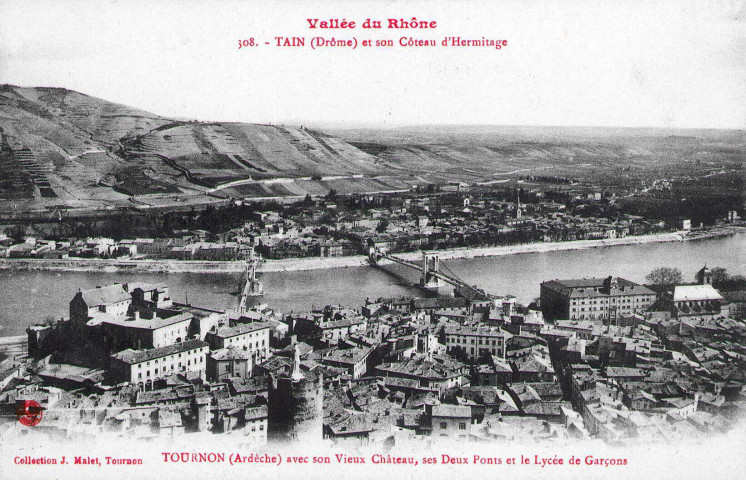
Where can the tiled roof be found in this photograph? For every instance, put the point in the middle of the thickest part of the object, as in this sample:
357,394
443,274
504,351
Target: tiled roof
624,372
351,356
424,368
138,356
345,322
107,295
240,329
147,323
695,293
590,287
453,411
230,353
440,302
476,331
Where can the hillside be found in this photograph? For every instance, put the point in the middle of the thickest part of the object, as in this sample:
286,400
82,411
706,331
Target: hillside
605,157
65,151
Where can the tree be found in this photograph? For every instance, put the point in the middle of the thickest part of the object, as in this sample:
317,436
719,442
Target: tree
719,275
664,276
382,226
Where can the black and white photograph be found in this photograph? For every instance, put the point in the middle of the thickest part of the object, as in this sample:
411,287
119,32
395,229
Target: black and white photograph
383,238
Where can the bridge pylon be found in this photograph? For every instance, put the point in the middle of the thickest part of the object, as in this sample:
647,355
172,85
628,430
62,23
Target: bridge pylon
430,263
252,286
373,256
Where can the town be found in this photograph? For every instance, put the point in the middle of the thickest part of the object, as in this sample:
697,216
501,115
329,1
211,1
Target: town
446,217
599,358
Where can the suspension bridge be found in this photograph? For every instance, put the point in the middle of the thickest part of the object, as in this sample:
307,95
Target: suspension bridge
432,272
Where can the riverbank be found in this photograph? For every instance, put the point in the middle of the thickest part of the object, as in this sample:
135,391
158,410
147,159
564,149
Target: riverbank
680,236
303,264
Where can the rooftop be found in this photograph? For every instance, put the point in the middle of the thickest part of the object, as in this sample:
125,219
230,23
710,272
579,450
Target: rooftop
596,287
452,411
424,368
147,323
686,293
107,295
240,329
476,331
230,353
351,356
138,356
440,302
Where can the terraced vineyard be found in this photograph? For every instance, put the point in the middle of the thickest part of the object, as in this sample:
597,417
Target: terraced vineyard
64,150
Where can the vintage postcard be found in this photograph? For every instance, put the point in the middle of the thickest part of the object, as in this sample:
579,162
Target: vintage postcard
375,239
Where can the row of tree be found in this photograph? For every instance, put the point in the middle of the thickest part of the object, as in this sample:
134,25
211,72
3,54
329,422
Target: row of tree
673,276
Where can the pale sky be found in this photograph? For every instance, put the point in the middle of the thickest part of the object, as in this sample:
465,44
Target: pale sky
575,63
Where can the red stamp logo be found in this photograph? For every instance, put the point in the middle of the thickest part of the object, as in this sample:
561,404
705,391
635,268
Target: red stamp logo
29,412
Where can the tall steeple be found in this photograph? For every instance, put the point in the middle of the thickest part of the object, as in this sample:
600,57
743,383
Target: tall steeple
704,276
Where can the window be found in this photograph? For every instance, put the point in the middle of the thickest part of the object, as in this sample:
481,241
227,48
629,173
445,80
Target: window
462,426
443,425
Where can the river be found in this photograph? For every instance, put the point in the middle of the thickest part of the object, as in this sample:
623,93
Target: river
27,297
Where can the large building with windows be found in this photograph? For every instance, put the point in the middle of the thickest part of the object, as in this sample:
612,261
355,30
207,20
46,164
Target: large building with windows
139,332
594,299
250,337
699,302
476,341
143,367
113,300
452,421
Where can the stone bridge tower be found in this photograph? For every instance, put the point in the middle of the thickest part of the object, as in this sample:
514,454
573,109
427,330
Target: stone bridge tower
430,264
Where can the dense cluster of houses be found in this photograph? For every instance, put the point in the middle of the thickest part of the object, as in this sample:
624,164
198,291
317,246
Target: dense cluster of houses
641,374
329,229
131,361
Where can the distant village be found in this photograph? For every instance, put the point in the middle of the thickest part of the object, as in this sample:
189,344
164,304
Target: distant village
603,358
335,226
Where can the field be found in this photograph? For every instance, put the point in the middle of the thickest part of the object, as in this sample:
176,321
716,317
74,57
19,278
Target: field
603,157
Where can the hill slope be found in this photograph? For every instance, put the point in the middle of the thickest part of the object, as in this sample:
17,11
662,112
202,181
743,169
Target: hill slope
64,149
